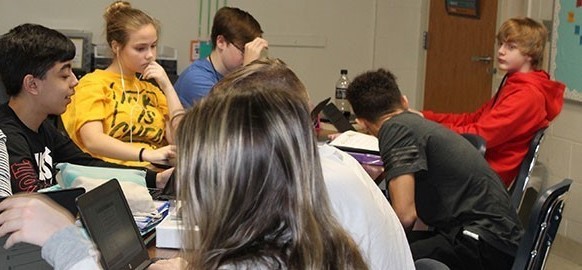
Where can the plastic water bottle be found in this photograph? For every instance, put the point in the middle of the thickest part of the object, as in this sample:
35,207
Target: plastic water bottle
340,94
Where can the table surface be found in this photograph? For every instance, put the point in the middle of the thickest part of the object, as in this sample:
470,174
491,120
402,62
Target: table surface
164,253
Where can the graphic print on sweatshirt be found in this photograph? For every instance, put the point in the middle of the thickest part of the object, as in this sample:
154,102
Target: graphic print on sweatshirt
28,177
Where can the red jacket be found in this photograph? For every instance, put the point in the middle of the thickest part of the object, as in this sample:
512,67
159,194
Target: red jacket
508,122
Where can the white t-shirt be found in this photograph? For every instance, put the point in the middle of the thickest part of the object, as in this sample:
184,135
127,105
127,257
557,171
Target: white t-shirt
364,212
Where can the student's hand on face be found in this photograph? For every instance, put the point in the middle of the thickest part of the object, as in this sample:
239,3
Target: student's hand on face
253,50
31,219
174,263
162,155
156,71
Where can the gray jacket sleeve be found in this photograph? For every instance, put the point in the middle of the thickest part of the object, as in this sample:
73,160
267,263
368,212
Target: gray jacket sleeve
69,249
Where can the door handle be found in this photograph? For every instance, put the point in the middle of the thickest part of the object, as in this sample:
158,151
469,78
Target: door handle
477,58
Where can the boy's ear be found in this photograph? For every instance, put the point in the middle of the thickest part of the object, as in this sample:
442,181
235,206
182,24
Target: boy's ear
221,42
404,102
363,122
30,84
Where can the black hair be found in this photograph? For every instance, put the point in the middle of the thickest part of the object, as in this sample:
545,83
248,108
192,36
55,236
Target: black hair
374,94
31,49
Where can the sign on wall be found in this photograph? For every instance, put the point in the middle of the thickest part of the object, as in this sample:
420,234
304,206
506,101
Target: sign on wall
566,49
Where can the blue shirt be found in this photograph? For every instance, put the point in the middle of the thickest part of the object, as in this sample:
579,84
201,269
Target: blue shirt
196,81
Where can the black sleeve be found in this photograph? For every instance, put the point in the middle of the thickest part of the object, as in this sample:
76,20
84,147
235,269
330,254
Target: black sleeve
23,167
400,150
69,152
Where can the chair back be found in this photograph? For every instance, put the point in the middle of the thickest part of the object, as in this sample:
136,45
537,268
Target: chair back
543,226
521,180
476,141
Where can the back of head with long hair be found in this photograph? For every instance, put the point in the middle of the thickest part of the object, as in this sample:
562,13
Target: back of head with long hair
249,171
270,73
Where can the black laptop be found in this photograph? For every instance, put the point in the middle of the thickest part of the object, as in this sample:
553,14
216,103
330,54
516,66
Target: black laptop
332,114
27,256
108,220
318,108
337,118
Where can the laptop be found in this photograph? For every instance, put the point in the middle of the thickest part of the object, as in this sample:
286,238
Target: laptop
28,256
337,118
108,220
318,108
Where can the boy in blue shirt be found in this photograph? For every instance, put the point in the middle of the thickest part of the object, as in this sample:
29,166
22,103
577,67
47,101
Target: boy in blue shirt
236,41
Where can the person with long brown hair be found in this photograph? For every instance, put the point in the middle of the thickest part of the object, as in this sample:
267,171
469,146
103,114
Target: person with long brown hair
250,172
357,202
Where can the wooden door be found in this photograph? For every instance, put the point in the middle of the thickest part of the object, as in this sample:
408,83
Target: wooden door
460,57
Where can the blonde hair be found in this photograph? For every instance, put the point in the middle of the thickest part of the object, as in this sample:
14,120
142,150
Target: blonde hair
121,19
248,165
529,35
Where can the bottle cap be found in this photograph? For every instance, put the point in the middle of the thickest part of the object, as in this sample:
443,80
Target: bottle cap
344,72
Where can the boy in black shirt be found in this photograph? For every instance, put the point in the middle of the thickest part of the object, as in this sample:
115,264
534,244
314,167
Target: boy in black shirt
436,176
36,69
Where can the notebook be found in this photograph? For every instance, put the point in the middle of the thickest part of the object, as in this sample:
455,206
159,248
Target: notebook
357,142
108,220
27,256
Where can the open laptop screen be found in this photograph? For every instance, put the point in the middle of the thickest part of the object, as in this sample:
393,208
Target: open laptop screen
108,220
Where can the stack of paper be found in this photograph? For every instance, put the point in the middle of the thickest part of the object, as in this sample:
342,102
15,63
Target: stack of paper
148,223
358,142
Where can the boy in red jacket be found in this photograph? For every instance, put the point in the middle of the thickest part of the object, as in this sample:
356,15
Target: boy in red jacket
526,101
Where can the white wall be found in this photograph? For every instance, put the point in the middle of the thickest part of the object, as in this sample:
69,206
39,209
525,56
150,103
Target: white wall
398,44
561,152
346,28
176,19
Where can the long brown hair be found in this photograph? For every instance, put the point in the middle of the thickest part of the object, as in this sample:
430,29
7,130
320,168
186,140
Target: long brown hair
248,168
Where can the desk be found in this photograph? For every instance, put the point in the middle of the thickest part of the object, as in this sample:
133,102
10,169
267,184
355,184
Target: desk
164,253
